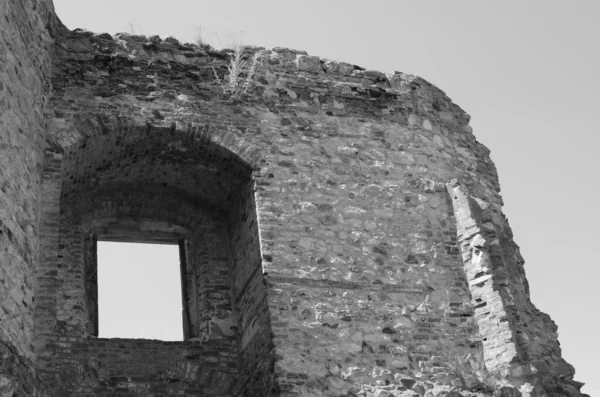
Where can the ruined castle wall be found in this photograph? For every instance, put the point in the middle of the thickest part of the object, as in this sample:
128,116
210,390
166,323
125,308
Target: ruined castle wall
25,47
366,263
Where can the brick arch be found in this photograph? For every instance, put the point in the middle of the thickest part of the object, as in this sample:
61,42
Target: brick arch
204,160
226,265
83,127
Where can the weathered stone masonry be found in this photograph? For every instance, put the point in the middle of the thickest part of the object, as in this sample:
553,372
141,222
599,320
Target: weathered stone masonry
26,29
340,229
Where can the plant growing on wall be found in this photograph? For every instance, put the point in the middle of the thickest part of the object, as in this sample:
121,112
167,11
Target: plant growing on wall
134,29
241,74
199,34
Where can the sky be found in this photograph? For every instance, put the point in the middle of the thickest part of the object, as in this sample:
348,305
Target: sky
150,312
526,72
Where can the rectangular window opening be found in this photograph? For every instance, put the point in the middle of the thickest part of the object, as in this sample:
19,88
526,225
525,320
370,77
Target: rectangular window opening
139,291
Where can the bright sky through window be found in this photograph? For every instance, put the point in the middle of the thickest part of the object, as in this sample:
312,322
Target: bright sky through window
139,291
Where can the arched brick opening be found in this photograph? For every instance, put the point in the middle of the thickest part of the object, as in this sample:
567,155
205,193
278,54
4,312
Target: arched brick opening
117,181
195,134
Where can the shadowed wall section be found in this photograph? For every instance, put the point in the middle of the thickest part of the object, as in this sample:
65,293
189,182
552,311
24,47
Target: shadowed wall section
156,186
26,38
250,293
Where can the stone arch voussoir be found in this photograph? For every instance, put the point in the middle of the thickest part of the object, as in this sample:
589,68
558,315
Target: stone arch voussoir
65,134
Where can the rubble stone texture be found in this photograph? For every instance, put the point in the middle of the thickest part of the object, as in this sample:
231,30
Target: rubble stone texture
340,229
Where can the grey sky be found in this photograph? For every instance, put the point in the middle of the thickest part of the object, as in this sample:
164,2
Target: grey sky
526,71
152,271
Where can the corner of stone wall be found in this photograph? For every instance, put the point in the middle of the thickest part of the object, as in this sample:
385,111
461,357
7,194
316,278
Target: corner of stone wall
501,302
26,39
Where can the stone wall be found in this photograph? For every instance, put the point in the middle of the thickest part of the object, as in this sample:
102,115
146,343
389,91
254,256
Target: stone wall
351,266
341,229
25,47
142,367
